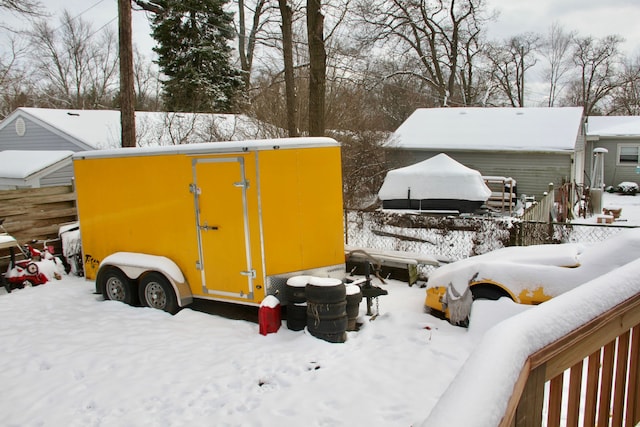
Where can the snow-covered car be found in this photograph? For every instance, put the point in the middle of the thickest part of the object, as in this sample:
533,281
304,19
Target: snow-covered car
526,274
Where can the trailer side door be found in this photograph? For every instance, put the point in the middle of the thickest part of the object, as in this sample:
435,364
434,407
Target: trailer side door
222,221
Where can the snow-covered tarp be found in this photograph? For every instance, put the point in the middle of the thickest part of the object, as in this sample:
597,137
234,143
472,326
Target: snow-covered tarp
438,178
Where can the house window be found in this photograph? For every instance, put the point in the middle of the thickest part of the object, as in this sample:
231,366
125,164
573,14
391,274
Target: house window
628,154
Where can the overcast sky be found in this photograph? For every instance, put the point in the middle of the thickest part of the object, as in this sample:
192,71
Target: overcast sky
597,18
588,17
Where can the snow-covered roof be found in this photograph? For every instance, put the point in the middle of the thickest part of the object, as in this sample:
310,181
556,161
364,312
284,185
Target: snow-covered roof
21,165
487,129
613,126
439,177
100,129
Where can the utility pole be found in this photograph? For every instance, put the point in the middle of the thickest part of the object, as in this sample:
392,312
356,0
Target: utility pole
127,91
317,67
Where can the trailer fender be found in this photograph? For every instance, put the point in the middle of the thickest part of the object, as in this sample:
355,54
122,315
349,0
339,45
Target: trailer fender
135,264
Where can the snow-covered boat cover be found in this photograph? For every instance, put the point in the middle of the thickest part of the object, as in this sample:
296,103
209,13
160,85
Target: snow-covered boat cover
439,177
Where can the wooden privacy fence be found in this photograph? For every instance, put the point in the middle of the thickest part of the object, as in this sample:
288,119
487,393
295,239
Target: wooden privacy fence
541,211
37,213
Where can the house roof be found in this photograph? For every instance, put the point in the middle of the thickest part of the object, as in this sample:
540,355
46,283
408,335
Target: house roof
613,126
490,129
25,165
100,129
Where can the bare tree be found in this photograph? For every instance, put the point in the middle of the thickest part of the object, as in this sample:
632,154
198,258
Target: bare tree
363,167
261,15
509,62
557,50
440,37
12,76
147,83
77,66
626,98
289,78
27,7
596,62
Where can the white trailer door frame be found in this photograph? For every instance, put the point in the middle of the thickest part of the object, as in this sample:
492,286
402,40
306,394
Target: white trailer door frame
222,222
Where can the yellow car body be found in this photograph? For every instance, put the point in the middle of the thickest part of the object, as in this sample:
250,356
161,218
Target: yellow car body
527,275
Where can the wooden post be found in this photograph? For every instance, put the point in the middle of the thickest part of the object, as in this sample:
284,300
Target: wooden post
529,411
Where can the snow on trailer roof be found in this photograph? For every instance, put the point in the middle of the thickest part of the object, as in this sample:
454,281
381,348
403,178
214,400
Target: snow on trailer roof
488,129
211,147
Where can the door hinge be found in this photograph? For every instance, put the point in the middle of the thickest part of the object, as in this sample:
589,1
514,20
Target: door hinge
193,188
198,265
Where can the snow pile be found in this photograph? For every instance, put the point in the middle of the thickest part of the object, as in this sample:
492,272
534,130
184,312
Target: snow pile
439,177
485,383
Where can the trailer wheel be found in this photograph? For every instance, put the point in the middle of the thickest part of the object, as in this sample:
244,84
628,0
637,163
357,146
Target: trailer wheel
116,286
157,292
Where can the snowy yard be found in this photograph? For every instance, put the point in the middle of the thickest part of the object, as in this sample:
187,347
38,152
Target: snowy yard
72,359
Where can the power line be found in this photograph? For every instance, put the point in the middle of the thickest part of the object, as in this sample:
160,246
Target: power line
82,13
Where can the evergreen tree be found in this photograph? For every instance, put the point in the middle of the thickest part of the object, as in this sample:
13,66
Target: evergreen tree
194,56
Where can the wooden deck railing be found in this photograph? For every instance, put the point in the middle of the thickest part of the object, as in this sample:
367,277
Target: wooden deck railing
609,347
570,361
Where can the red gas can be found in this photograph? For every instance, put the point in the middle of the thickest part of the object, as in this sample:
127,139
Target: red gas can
269,315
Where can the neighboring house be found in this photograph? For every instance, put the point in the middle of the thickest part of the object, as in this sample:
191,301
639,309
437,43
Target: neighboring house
534,146
43,129
620,135
34,169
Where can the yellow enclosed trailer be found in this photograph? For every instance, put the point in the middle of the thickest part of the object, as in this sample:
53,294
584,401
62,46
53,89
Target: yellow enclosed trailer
225,221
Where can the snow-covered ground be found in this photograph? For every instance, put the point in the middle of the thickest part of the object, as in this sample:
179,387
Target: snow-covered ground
71,359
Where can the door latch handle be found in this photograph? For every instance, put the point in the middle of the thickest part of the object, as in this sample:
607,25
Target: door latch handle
207,227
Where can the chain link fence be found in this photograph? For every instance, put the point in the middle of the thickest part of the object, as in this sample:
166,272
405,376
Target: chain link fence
534,233
449,238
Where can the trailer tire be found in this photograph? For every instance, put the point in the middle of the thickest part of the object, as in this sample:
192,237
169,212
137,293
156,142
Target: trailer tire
336,338
296,316
295,294
326,294
157,292
326,311
328,326
116,286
